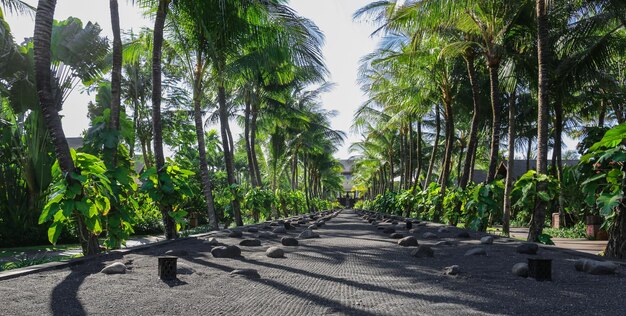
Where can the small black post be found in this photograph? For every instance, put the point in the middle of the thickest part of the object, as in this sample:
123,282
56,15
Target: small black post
540,269
167,268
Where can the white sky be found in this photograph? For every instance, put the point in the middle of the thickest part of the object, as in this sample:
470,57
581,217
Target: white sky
346,42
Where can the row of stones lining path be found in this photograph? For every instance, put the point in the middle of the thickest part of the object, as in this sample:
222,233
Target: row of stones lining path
353,268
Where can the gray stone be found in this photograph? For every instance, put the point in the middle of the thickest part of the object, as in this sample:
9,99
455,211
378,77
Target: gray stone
443,230
444,243
307,233
479,251
527,248
396,236
452,270
421,224
177,253
114,268
520,269
389,230
312,226
248,273
226,252
595,267
409,241
463,234
280,230
275,252
487,240
250,242
414,230
429,236
253,230
212,241
423,251
235,234
289,241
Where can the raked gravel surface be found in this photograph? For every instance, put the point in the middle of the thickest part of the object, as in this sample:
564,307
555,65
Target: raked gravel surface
353,269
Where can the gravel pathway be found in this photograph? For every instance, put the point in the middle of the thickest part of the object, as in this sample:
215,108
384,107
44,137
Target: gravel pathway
352,269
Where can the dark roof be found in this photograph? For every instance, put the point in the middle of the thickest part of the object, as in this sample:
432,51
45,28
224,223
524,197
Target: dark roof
518,170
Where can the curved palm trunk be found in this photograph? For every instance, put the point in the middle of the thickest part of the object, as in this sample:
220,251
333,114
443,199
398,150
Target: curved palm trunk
496,110
207,186
431,164
616,247
510,166
157,128
473,136
228,150
42,37
539,213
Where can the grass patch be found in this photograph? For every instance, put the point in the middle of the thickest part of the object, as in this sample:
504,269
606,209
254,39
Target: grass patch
576,232
10,252
27,262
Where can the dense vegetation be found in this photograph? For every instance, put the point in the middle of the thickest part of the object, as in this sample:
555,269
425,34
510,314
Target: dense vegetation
452,79
257,63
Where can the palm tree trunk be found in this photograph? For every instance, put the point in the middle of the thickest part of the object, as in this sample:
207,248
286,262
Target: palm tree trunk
431,164
558,161
43,58
253,129
228,150
116,78
528,152
419,155
445,167
496,110
510,166
157,128
207,186
616,246
539,213
246,136
409,167
473,136
602,114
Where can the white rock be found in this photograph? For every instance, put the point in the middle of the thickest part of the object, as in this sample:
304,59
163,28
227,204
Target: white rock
479,251
114,268
487,240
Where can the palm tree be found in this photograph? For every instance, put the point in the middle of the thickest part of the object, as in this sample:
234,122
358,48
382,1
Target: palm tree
42,38
116,80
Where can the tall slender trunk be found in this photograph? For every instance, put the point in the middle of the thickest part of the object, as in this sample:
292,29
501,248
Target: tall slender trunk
419,156
539,213
445,167
558,161
207,186
228,150
473,136
602,114
529,152
157,127
460,161
246,136
116,79
253,129
496,109
431,164
409,167
510,166
43,58
402,159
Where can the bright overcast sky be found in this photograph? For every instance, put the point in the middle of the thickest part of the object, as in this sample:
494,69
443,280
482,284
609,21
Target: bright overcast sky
346,43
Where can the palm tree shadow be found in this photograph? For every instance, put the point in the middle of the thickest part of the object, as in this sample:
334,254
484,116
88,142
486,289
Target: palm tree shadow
64,298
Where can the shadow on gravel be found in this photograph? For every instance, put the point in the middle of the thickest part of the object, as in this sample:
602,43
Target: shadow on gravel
292,291
64,300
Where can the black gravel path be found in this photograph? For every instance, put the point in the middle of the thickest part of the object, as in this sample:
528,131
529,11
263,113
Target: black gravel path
352,269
